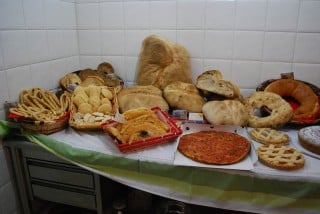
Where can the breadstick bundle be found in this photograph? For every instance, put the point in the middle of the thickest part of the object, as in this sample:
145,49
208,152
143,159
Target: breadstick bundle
41,105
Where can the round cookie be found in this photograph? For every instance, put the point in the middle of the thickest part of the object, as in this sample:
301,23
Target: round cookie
309,138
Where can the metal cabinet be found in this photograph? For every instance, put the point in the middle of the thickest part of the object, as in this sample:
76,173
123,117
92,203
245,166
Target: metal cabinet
38,174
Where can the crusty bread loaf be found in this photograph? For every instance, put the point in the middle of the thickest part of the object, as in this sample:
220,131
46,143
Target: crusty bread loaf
226,112
308,100
162,62
180,95
212,82
141,96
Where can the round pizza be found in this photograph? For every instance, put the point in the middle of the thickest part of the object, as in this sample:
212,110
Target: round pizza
213,147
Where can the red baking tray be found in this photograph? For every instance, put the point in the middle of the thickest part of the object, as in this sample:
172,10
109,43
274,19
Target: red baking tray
174,132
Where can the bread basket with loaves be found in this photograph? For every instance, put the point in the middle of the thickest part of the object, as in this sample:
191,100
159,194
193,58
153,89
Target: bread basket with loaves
303,97
41,111
91,106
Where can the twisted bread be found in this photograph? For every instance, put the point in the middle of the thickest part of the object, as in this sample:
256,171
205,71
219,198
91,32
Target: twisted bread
308,100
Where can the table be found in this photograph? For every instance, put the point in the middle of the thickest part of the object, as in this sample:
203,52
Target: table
260,190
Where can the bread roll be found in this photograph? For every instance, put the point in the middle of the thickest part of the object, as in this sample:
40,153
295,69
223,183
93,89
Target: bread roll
162,62
180,95
141,96
226,112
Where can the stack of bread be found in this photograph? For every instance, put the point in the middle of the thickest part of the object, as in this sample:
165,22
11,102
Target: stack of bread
91,106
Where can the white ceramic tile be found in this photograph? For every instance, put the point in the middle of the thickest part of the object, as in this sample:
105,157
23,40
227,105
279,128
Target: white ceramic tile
41,74
248,45
251,15
171,35
14,44
37,45
192,40
224,66
307,48
4,88
54,18
87,16
273,70
282,15
131,64
278,46
218,44
111,15
58,69
89,42
246,74
136,15
11,14
187,7
307,72
70,43
68,14
133,41
118,64
72,64
163,14
89,61
18,79
220,15
34,14
309,16
196,67
1,55
55,42
112,42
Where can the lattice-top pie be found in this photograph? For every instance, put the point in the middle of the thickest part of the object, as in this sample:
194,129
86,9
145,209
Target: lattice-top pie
269,136
280,157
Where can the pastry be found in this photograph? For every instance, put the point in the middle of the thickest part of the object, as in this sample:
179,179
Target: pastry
212,147
269,136
309,138
302,93
280,157
280,110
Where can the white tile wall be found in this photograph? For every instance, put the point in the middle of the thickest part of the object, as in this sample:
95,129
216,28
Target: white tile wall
248,40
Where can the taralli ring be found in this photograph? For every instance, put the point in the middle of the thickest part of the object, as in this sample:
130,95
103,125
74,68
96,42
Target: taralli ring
280,111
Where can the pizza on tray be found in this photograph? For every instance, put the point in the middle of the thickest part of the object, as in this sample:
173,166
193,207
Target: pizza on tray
214,147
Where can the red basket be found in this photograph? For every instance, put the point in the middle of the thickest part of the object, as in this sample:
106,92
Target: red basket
174,132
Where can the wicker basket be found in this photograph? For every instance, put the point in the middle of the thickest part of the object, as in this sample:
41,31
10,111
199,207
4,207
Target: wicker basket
92,126
311,121
44,127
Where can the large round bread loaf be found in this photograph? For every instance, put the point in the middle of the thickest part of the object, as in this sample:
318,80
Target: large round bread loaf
180,95
226,112
141,96
308,100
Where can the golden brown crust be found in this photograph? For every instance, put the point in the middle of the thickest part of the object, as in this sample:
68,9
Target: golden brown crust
281,111
269,136
309,138
308,100
180,95
280,157
226,112
212,147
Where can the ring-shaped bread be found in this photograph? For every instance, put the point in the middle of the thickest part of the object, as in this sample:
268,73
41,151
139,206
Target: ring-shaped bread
301,92
280,110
